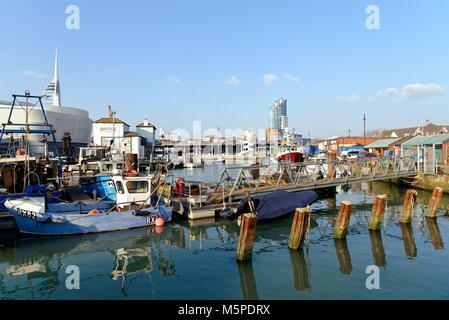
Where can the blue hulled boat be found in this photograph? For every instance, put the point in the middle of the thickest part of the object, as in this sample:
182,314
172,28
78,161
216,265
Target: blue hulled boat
132,209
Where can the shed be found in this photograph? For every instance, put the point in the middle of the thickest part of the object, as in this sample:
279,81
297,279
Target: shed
381,145
430,150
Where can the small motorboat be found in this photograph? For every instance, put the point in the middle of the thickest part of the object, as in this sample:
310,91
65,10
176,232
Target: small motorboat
219,161
194,165
132,209
275,204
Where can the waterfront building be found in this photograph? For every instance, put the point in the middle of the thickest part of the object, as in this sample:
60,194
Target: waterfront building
388,146
340,144
426,130
381,146
249,142
64,119
113,133
148,131
105,130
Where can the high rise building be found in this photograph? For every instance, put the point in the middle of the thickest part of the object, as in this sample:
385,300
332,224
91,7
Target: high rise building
278,115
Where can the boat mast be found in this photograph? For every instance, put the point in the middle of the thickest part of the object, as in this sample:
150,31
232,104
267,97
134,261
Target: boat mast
27,128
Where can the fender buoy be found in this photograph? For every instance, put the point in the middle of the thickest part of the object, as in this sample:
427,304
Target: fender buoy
94,211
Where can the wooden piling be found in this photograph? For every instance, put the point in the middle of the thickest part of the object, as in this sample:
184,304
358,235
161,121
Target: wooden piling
332,156
377,212
247,235
300,227
409,203
344,217
434,203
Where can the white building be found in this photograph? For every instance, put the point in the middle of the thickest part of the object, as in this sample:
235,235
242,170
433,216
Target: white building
113,132
249,142
133,143
148,131
64,119
105,130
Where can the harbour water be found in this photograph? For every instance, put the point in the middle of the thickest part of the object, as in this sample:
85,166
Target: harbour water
196,260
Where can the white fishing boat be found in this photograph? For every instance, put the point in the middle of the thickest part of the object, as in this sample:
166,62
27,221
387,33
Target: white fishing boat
133,208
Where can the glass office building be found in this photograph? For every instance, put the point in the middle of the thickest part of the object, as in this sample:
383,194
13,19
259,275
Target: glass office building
278,115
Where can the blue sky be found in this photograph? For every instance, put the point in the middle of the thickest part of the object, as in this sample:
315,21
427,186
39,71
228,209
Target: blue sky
224,62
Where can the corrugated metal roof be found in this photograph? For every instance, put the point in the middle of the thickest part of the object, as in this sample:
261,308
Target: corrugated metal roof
381,143
426,140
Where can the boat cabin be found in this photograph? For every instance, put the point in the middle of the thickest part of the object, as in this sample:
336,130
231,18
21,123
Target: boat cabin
132,190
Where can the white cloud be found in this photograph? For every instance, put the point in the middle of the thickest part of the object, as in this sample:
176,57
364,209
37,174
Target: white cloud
174,79
269,78
33,74
290,77
350,99
410,91
232,81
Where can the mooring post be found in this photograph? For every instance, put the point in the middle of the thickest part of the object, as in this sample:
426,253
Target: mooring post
377,212
409,203
344,217
300,227
332,156
247,235
434,203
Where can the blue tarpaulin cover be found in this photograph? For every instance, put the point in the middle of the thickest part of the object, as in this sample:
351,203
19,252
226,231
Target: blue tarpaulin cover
279,203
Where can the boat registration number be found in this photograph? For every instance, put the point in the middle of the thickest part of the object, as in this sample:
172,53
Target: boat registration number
152,220
27,214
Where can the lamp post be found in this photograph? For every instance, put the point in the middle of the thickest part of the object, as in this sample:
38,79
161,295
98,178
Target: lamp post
364,129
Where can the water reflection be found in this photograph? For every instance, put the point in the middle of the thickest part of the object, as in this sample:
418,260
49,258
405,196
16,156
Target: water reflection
247,281
343,255
377,248
435,234
38,268
191,259
409,240
300,269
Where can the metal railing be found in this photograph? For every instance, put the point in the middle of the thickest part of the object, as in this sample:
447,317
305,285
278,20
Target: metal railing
240,181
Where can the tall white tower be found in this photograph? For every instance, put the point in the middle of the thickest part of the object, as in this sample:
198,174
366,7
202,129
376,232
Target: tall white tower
57,94
53,89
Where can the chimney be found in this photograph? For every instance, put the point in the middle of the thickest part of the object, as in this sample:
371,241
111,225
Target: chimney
145,122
